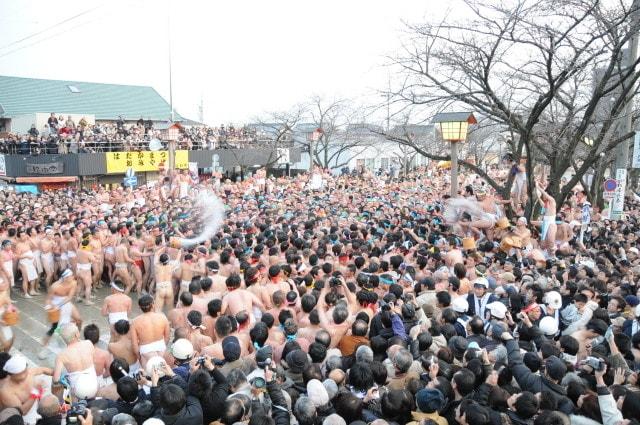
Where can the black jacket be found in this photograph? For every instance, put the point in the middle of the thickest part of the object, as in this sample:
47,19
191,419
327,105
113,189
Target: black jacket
535,383
279,410
213,402
191,414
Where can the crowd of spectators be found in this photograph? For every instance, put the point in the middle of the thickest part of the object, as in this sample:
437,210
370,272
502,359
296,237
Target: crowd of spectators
60,135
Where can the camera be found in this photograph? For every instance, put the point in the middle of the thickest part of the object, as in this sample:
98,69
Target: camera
77,410
218,362
264,364
258,382
595,363
334,282
200,361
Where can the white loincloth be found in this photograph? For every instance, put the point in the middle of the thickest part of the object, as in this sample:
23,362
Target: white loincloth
118,315
37,260
153,347
134,368
71,254
109,250
47,260
74,376
184,285
121,265
27,263
65,309
83,266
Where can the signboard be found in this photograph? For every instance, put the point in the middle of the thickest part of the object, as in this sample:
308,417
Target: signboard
283,156
45,169
617,204
635,161
129,172
3,166
586,213
610,185
118,162
215,163
193,171
131,181
607,195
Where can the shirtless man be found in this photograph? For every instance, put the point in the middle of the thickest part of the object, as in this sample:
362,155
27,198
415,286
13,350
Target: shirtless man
163,275
110,250
120,345
340,322
21,390
237,300
26,265
218,282
194,322
178,316
72,248
95,243
116,306
86,257
187,269
136,247
60,296
6,267
76,359
149,331
34,242
276,282
62,249
548,227
122,261
101,358
46,256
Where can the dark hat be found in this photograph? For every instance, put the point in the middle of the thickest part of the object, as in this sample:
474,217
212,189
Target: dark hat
555,368
296,360
231,348
429,400
458,345
263,354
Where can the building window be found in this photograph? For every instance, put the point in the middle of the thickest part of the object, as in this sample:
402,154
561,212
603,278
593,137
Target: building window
384,163
370,163
74,89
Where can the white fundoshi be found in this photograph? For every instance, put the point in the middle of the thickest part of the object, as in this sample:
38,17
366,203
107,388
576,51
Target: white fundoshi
210,211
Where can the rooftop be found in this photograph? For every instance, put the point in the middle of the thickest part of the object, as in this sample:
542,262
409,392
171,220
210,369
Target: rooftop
19,96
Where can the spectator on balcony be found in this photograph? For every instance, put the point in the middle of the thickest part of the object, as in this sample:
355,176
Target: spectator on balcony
33,131
70,123
53,122
83,123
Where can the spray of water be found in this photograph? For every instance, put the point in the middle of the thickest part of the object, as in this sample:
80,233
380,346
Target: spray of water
211,213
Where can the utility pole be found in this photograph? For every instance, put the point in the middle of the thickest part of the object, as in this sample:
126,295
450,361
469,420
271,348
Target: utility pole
170,76
622,150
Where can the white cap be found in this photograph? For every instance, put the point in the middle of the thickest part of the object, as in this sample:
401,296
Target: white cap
497,309
460,304
182,349
553,299
155,362
634,250
16,364
548,326
85,386
481,281
153,421
637,310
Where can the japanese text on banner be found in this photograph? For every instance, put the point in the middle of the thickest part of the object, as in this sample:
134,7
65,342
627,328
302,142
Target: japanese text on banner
118,162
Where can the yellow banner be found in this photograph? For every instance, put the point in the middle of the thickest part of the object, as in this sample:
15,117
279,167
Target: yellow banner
118,162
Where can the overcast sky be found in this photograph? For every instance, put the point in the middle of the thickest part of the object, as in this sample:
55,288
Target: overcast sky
241,57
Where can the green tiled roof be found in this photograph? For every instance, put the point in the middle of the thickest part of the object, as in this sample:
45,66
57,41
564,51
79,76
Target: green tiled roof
106,101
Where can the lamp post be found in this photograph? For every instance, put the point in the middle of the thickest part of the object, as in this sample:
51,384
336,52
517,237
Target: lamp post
171,135
453,128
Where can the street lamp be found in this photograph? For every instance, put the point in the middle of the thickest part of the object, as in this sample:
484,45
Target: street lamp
453,128
171,135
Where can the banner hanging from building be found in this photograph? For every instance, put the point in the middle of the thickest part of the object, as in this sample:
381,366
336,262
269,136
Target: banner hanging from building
635,161
118,162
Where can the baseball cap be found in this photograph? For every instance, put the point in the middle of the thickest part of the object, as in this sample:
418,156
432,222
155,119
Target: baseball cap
497,309
231,348
429,400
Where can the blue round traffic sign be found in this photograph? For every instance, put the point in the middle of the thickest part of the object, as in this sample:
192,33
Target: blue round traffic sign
610,185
